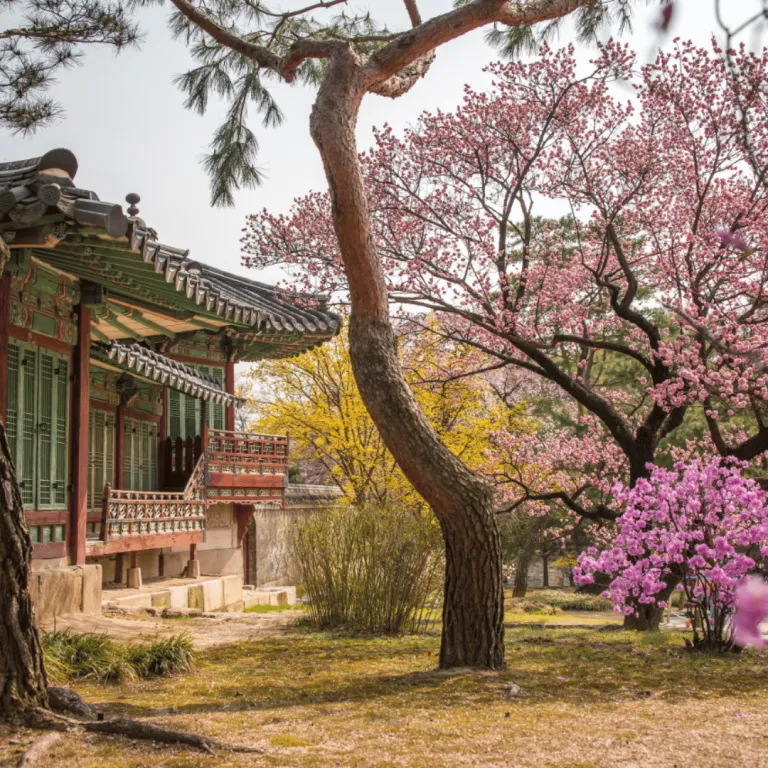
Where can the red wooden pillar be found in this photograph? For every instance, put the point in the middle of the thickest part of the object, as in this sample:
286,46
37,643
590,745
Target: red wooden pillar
204,424
81,395
120,445
162,434
5,327
229,383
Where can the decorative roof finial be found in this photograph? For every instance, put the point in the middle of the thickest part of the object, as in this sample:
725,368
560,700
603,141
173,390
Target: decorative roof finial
132,199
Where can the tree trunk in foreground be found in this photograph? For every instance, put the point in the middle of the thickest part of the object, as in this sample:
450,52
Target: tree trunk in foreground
473,610
21,656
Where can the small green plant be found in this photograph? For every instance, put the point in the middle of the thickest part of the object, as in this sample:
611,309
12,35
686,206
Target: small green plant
370,569
91,656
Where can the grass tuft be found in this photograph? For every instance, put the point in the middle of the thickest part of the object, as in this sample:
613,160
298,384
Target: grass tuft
89,656
162,658
272,608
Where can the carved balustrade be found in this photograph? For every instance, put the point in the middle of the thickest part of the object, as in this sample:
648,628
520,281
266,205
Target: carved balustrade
241,453
142,513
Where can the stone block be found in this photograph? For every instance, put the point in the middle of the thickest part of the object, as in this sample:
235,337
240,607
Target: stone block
290,595
237,607
178,596
92,580
134,578
260,597
195,598
60,592
162,599
141,600
193,569
232,587
213,595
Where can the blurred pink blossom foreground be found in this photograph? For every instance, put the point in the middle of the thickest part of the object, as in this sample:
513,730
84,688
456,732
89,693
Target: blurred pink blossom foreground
751,607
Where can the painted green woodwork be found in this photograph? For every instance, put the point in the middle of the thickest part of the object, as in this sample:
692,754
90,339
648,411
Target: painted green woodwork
37,421
184,411
140,455
43,534
42,299
101,455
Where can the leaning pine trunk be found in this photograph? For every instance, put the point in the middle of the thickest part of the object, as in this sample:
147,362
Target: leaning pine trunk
24,684
473,612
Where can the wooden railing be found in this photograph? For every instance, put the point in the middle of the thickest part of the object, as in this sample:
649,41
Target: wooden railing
235,467
140,513
178,459
241,453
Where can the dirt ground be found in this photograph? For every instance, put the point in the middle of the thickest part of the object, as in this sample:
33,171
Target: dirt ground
205,632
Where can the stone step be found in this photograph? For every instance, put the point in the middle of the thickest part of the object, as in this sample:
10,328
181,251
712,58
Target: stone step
268,596
220,593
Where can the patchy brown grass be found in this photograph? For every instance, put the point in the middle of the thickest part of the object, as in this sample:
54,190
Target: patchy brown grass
572,698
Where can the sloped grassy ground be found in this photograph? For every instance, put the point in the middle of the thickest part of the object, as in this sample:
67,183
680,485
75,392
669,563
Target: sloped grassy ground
587,698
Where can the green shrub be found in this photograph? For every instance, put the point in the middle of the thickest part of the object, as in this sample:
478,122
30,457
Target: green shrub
369,569
570,601
90,656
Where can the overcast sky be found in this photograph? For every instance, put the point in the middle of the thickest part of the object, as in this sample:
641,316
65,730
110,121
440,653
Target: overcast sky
130,133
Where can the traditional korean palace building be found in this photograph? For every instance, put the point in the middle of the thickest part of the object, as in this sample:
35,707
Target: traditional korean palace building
117,384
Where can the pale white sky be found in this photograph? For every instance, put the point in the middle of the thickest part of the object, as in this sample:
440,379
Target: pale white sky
126,124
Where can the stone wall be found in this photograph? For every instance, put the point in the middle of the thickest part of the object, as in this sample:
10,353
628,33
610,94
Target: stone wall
268,546
558,577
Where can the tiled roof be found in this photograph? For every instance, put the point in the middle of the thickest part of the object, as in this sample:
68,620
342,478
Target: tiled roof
152,365
43,190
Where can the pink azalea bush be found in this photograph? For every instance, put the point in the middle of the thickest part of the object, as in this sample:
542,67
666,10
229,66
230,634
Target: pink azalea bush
700,528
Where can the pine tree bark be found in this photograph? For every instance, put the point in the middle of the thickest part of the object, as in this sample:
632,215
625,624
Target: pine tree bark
473,612
24,682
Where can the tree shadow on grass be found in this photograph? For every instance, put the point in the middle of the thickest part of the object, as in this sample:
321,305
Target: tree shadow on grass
545,665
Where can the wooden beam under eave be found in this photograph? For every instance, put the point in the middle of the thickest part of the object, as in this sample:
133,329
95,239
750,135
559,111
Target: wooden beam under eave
138,317
110,319
81,395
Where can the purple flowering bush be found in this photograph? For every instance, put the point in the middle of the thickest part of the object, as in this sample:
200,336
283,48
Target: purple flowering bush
698,527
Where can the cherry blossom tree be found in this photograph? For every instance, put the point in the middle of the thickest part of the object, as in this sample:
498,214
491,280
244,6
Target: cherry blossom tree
638,291
701,526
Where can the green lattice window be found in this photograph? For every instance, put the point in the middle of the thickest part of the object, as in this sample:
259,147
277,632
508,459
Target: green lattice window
184,411
37,421
140,458
101,455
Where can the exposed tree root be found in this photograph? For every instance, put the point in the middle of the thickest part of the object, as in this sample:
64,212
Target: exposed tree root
37,749
133,729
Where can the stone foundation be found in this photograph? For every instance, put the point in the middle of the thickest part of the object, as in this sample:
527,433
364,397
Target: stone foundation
61,591
220,594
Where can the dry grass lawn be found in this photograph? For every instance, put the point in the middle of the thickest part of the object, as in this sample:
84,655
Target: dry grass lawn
572,698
